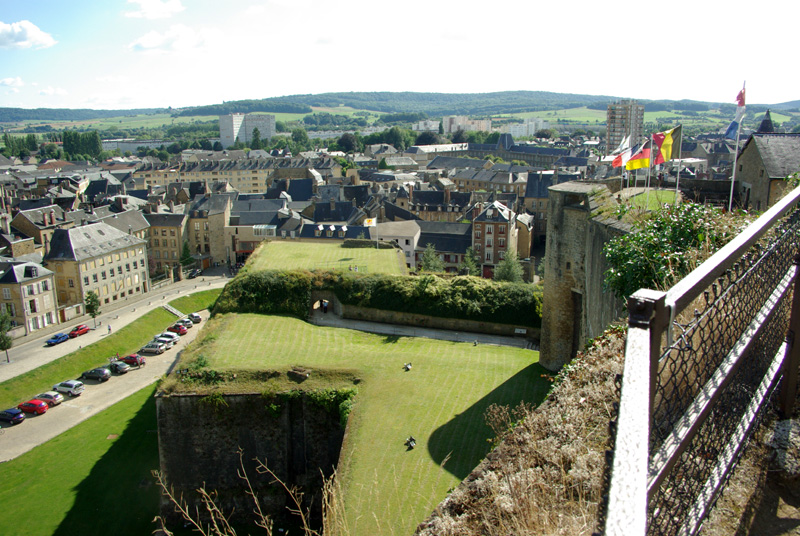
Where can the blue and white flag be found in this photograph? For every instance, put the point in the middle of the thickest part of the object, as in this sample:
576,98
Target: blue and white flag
733,128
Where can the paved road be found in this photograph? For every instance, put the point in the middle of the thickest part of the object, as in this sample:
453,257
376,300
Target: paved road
16,440
30,352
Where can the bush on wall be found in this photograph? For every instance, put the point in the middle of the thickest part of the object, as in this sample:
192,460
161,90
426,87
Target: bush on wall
465,297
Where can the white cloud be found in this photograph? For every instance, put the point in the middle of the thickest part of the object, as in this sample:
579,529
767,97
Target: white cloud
12,82
155,9
177,38
50,90
24,34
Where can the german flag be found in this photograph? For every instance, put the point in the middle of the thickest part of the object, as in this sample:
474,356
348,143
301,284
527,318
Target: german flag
641,159
665,143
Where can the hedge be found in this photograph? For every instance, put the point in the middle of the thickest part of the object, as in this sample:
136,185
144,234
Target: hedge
466,297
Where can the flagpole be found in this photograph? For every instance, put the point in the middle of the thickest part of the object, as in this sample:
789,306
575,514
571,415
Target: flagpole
736,157
678,177
649,168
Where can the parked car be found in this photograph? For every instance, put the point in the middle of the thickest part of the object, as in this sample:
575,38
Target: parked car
119,367
194,273
185,322
179,329
168,342
51,397
134,359
170,335
58,338
83,329
195,318
153,348
34,406
70,387
100,374
12,415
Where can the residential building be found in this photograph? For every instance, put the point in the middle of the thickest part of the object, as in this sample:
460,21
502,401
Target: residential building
166,235
624,118
240,127
426,125
494,234
403,233
529,128
41,223
98,258
452,123
450,240
28,295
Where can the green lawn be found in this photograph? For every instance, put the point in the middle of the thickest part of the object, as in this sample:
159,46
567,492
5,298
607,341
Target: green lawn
285,255
93,479
654,199
441,402
123,341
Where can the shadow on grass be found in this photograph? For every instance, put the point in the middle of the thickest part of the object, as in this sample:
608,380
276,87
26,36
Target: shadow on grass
391,339
345,259
119,495
466,438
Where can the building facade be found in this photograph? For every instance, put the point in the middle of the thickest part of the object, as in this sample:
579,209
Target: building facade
624,118
241,126
494,234
100,259
27,295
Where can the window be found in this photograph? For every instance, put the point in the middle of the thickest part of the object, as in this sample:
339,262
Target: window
172,232
32,306
502,255
6,293
501,229
94,278
488,229
11,309
501,242
163,232
30,290
477,235
135,264
86,280
70,282
45,285
155,243
119,270
157,254
103,274
197,226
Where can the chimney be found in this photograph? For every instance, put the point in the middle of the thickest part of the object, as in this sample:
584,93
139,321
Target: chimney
171,205
333,205
447,196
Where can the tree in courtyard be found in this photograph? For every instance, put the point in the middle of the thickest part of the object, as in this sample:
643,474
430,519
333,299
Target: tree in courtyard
5,339
427,138
509,269
256,143
469,266
459,136
431,261
186,255
217,146
347,142
92,305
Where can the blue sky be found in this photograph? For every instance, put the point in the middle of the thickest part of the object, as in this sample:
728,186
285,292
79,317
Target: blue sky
157,53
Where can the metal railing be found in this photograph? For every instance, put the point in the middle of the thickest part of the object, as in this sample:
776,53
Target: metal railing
701,363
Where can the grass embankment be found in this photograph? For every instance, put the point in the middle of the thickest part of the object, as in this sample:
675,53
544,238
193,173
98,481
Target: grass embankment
93,479
280,255
654,199
123,341
441,402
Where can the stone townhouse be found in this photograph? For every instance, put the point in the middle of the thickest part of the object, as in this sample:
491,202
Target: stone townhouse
494,234
28,295
434,205
472,180
166,235
450,240
41,223
209,214
98,258
763,165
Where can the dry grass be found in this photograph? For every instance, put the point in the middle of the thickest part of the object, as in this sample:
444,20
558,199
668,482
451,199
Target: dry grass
546,477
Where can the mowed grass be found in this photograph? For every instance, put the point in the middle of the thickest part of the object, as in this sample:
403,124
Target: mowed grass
285,255
441,402
93,479
653,199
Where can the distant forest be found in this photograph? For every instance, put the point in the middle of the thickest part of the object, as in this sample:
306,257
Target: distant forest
422,104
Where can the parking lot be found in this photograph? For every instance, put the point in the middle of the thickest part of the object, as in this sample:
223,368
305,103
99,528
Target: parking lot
37,429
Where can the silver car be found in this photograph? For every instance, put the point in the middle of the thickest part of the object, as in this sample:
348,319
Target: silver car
70,387
52,398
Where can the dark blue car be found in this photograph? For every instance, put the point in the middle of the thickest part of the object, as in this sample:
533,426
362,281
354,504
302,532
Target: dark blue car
13,415
58,338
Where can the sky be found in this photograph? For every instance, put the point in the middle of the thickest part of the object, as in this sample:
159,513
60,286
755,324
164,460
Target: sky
121,54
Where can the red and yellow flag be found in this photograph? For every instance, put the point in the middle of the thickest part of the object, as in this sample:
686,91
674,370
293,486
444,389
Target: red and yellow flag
664,143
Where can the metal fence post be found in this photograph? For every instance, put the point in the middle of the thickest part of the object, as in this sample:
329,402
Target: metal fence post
791,363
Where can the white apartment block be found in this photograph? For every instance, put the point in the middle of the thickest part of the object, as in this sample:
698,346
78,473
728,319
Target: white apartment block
530,127
426,126
241,126
452,123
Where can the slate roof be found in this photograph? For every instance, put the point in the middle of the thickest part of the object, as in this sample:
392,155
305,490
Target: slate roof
89,241
341,210
164,219
538,183
353,231
132,220
360,193
779,152
301,189
20,272
453,162
393,212
500,213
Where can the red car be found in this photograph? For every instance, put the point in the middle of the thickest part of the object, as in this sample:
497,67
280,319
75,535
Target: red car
134,360
33,406
83,329
177,328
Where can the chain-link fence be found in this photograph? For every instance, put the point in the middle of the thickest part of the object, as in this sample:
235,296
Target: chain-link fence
712,349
